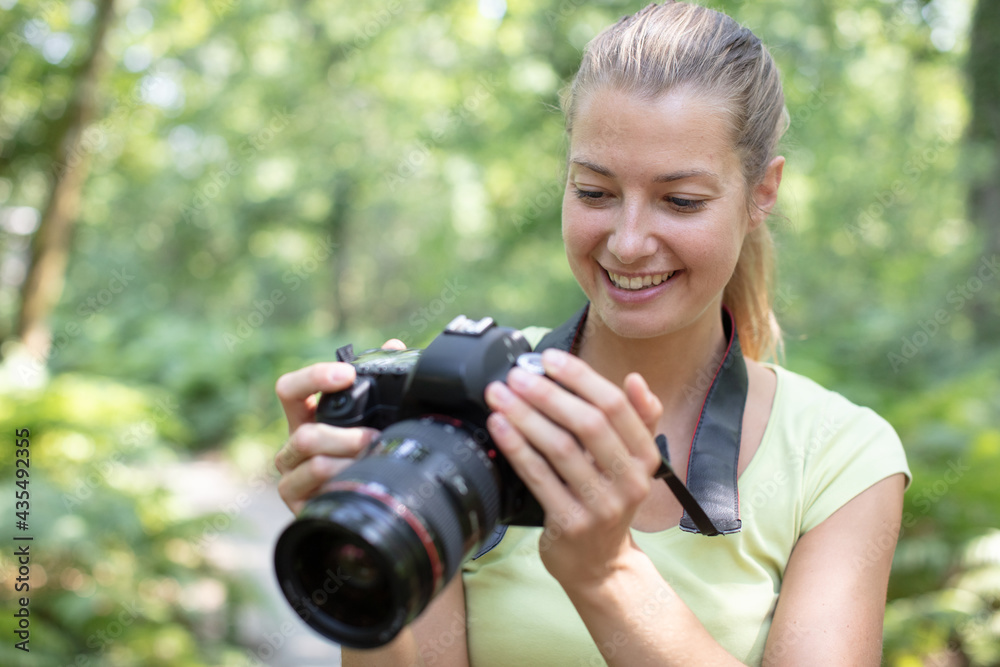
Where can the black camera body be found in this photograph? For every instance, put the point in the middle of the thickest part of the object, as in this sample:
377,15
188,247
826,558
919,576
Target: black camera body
366,555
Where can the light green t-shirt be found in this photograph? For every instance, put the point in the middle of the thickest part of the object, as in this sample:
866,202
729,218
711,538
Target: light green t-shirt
819,450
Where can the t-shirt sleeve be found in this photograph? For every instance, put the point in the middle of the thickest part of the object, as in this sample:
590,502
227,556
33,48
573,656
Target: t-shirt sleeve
851,449
534,335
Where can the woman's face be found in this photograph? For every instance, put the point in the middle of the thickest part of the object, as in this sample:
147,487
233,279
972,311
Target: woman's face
654,212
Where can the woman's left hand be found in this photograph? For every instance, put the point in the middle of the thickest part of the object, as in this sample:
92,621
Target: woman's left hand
586,451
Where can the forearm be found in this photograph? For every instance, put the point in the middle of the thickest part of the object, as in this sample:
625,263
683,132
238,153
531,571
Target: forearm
400,652
636,618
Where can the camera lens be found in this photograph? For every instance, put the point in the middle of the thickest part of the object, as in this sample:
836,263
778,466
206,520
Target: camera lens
358,565
343,579
352,569
365,558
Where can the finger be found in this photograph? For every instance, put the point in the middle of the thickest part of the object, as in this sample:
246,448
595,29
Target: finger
647,405
312,439
530,466
303,482
594,389
393,344
587,422
296,388
562,451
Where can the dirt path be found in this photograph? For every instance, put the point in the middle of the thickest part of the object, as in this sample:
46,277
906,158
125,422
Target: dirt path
242,541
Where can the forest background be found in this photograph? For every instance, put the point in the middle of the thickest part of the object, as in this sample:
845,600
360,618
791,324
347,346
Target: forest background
199,195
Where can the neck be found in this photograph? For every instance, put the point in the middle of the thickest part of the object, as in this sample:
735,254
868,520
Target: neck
678,366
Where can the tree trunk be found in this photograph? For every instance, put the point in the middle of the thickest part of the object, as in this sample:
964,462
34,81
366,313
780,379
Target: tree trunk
50,246
337,224
984,145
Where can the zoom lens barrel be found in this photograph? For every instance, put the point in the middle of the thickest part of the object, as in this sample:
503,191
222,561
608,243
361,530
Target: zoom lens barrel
365,557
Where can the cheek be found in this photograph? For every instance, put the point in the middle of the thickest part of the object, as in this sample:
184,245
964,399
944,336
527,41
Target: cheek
579,231
716,251
729,254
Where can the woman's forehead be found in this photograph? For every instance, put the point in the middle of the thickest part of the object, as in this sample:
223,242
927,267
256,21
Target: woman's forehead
676,132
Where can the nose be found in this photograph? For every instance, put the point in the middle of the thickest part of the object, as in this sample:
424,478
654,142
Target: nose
632,240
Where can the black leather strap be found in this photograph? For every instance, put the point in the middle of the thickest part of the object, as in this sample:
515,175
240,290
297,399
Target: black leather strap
566,336
687,501
715,446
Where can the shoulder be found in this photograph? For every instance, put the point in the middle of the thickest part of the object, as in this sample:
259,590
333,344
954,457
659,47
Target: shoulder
804,407
838,447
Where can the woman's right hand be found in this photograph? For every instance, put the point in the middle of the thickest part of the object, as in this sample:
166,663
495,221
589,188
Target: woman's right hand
316,452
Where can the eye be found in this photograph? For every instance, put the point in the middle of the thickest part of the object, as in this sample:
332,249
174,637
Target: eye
686,205
588,194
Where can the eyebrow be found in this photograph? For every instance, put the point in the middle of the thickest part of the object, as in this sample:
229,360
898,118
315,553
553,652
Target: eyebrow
661,178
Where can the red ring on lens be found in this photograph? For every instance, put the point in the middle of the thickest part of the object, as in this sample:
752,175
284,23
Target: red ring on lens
403,512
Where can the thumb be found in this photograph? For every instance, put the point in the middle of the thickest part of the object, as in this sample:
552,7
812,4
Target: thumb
645,402
393,344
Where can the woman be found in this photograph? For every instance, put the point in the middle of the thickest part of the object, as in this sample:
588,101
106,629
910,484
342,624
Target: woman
673,121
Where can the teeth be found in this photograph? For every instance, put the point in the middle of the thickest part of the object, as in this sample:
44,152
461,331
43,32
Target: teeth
636,283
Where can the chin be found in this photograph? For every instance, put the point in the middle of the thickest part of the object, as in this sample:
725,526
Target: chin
651,320
638,325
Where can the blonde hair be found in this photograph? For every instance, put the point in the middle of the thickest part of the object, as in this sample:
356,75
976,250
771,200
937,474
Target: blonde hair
663,47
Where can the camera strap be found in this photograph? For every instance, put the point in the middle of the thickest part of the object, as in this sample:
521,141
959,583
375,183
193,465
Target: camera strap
711,498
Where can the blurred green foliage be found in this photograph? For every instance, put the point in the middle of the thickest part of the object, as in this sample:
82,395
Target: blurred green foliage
118,573
271,180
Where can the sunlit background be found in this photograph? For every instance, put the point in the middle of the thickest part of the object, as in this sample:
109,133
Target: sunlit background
199,195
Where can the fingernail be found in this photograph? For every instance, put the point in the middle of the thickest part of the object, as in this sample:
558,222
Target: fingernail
498,394
521,379
554,358
339,374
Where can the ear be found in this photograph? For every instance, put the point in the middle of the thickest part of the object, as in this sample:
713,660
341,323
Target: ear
766,193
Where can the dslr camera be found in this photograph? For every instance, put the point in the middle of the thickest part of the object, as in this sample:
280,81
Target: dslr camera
368,553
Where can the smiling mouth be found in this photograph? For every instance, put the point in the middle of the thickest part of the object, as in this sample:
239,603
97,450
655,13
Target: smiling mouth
638,282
